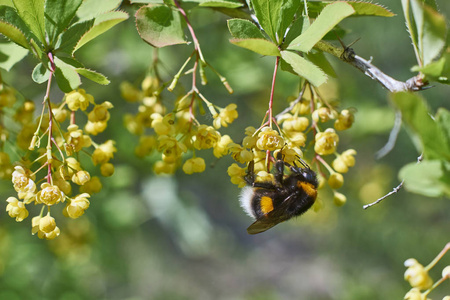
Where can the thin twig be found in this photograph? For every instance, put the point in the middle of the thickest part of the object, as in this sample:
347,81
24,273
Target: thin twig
293,104
394,191
348,55
392,136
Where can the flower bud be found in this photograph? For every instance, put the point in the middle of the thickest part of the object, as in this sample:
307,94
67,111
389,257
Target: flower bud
336,180
339,199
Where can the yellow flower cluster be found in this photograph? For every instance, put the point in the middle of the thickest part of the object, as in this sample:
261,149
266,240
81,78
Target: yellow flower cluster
174,134
418,277
56,148
309,117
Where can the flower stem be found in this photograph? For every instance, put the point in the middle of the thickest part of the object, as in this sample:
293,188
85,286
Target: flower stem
272,91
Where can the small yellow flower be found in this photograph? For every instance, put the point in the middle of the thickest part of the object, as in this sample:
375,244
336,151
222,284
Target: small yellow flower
163,125
415,294
77,206
107,169
264,176
92,186
326,142
45,227
348,157
206,137
221,148
95,128
194,165
269,139
78,99
237,175
344,120
171,148
81,177
323,114
47,224
129,92
23,184
60,114
49,194
295,123
239,154
303,107
76,139
249,141
336,180
149,84
295,139
339,165
162,167
290,155
417,275
100,112
344,161
339,199
16,209
226,116
104,152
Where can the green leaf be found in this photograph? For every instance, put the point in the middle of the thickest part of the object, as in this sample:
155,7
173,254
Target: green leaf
32,13
40,73
434,34
10,54
361,8
90,9
438,70
58,14
427,29
6,3
443,120
221,3
330,16
304,68
93,75
429,178
298,27
319,59
14,34
244,29
147,1
270,13
10,16
160,26
102,24
288,11
66,76
260,46
69,39
415,115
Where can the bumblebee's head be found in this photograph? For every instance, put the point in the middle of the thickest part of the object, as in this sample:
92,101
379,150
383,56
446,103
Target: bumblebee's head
305,174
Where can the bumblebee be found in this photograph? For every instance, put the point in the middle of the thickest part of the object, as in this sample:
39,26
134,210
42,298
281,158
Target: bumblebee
270,203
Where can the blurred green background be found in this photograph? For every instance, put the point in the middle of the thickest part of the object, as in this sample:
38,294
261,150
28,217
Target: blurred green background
184,237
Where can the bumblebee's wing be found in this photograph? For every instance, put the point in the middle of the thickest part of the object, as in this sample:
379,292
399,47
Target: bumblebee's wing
262,224
271,219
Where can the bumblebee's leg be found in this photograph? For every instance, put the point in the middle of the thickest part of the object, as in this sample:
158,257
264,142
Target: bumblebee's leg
279,168
250,177
265,185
